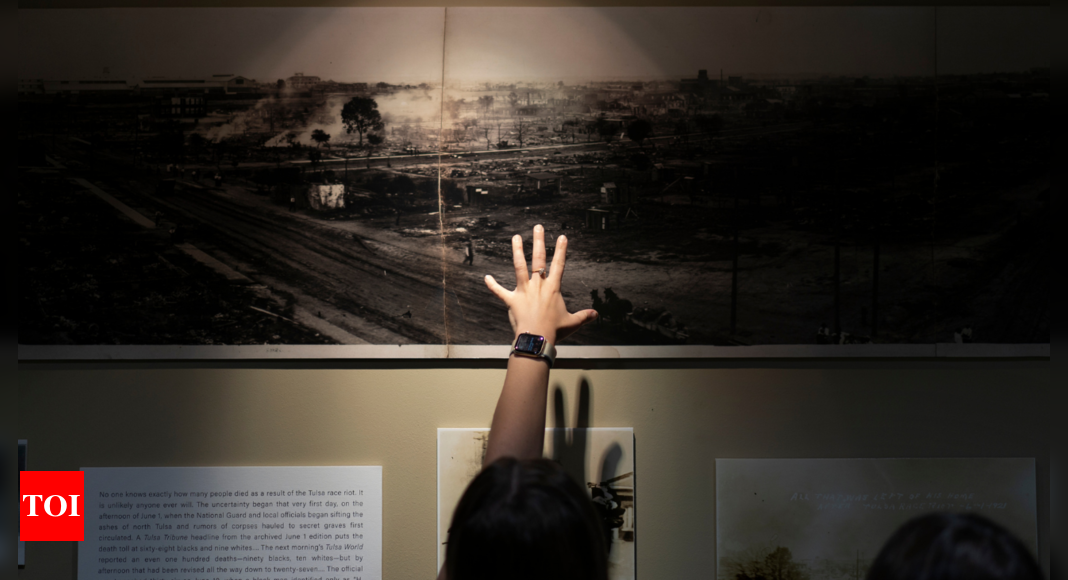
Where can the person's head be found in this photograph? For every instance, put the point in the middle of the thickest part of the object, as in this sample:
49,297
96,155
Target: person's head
953,547
525,520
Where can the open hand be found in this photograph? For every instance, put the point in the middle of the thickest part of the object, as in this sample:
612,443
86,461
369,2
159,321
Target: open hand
536,305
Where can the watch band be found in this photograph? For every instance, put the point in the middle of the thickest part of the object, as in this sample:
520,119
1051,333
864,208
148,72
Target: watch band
548,349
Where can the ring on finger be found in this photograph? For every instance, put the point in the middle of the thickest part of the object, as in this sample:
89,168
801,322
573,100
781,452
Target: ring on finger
543,272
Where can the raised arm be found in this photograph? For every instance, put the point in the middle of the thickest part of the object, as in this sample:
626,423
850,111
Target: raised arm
535,307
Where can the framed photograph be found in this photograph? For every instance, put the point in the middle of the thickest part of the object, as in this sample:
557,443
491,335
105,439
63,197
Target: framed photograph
228,183
829,518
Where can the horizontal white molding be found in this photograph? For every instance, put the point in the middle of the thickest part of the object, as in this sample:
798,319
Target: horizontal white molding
489,352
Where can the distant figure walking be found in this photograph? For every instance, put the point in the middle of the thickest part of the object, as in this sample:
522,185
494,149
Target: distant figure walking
292,203
469,253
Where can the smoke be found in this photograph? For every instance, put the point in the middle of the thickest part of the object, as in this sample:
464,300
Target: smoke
295,120
238,124
414,108
326,117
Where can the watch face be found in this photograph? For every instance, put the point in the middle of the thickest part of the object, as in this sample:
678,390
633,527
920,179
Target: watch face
529,344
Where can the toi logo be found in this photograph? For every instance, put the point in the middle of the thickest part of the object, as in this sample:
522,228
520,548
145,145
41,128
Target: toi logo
51,506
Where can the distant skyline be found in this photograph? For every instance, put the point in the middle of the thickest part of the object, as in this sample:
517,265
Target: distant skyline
653,43
395,45
404,45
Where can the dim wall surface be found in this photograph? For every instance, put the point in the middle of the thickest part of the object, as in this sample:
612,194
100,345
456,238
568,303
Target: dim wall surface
683,419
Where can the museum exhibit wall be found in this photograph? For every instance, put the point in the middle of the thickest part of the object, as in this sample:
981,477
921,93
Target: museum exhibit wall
112,415
685,415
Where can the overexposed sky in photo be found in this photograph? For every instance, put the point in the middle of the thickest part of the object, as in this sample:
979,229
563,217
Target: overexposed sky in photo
647,43
395,45
404,45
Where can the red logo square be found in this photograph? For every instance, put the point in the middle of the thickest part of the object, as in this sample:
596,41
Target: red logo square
52,506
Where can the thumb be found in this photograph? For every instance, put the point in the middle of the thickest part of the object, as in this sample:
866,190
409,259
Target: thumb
583,316
574,321
497,289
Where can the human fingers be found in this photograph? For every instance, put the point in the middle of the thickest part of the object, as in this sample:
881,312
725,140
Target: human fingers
575,321
556,272
537,261
519,260
583,316
498,290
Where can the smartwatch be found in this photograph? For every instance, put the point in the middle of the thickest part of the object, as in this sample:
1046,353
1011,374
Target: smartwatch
534,346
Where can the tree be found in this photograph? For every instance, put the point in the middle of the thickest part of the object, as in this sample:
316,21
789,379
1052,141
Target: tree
315,156
745,565
780,565
373,141
281,84
468,123
639,130
453,107
292,139
513,99
361,115
521,128
320,137
606,129
485,102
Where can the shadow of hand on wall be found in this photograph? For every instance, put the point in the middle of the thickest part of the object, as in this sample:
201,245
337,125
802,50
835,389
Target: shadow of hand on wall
571,445
571,449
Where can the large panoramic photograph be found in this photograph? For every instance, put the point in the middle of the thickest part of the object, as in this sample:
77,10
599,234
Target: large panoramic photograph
338,182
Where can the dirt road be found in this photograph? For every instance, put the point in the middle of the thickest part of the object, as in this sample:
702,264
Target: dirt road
384,291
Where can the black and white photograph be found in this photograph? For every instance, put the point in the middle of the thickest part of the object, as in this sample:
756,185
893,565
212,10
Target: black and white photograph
827,519
726,177
229,176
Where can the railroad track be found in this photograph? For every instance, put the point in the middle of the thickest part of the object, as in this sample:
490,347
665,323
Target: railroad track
384,284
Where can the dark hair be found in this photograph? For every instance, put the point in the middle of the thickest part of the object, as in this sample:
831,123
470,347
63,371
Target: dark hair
525,520
953,547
